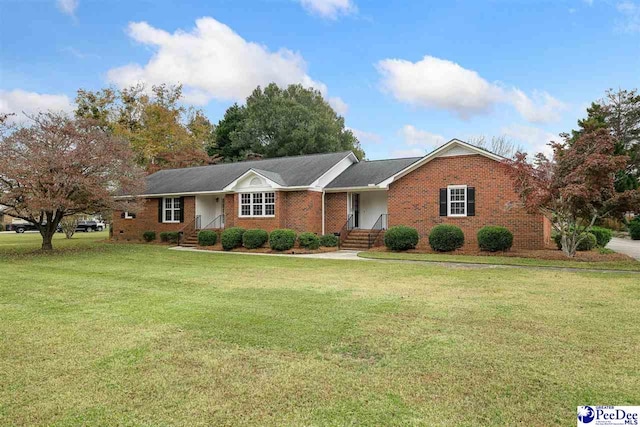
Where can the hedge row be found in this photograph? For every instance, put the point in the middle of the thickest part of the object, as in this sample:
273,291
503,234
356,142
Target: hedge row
279,240
446,238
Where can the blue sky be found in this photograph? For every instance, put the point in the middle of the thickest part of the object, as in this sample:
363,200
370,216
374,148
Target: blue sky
406,75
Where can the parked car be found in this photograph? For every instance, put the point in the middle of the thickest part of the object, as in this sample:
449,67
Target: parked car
101,226
21,227
88,226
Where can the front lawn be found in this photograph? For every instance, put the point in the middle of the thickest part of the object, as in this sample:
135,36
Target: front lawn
117,334
609,261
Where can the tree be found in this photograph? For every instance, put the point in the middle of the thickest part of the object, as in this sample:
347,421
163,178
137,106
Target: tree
500,145
576,187
157,126
280,122
69,225
619,112
56,167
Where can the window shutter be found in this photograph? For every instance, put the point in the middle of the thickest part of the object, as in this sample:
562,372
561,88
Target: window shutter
181,209
471,201
122,214
443,202
160,200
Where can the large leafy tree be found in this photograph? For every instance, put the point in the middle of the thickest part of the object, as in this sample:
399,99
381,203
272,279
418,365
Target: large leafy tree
619,113
576,187
278,122
56,167
158,127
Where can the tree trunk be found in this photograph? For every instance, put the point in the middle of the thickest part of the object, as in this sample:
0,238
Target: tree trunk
47,236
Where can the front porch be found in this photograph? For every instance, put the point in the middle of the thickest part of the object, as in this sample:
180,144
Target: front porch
367,219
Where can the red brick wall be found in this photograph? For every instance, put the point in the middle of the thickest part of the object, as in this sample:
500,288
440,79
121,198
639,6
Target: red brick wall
335,208
298,210
147,220
413,200
303,211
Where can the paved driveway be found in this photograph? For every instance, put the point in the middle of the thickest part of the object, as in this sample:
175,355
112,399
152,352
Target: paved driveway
624,246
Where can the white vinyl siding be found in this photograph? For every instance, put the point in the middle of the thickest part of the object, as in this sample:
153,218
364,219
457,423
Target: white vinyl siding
261,204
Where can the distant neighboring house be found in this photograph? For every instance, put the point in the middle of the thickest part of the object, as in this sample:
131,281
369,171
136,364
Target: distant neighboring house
457,183
4,218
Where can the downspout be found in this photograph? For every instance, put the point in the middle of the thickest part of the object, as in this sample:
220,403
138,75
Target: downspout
323,193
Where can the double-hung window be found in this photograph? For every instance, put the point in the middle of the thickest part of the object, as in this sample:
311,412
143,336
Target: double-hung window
128,215
171,209
457,200
258,204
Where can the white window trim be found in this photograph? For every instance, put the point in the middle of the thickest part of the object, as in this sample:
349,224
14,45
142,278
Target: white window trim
251,204
127,215
466,200
173,210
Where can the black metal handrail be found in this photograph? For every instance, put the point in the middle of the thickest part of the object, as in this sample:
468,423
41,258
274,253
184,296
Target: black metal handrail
382,223
346,228
189,228
217,223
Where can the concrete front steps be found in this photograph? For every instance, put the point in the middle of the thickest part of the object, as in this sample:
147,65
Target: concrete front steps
357,240
190,241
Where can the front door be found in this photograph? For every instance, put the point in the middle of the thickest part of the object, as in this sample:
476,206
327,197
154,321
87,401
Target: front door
355,209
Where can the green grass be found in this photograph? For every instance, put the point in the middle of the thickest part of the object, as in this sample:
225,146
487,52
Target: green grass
626,265
108,334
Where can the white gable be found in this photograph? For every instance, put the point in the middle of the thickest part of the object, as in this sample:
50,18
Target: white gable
252,181
456,150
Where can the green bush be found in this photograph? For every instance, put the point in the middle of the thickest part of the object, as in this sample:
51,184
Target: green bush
207,238
169,236
634,228
149,236
282,240
603,235
309,240
401,238
494,238
446,238
252,239
329,241
586,244
231,238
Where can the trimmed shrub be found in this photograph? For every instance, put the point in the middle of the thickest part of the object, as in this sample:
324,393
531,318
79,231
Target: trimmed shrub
401,238
634,228
329,241
253,239
207,238
231,238
603,235
494,238
169,236
149,236
282,240
309,240
446,238
586,244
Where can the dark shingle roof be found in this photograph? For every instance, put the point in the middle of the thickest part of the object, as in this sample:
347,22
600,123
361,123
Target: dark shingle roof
287,171
370,172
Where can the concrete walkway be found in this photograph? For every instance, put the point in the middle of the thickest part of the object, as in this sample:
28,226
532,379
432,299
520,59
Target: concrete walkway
625,246
353,256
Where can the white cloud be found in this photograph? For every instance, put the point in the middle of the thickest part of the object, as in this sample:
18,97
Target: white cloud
339,105
330,9
68,6
442,84
212,62
413,136
18,101
631,17
366,137
533,139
